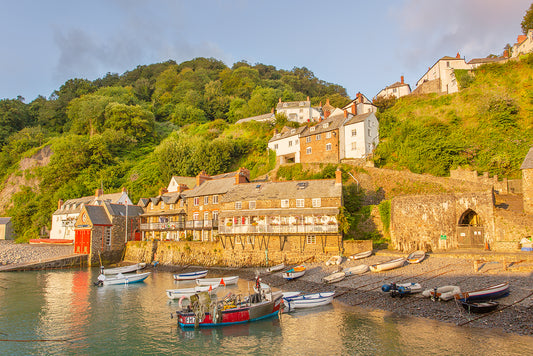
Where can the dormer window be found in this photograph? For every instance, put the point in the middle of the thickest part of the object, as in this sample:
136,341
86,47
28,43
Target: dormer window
312,128
325,125
293,131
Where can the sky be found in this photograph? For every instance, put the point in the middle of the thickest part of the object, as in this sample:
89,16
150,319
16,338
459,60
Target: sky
363,46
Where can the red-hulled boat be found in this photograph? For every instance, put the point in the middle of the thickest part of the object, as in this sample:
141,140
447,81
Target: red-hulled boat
228,312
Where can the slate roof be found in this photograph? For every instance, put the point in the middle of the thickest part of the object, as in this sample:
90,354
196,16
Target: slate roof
358,118
334,123
97,215
287,133
72,206
486,60
4,221
528,161
320,188
265,117
143,202
121,210
210,187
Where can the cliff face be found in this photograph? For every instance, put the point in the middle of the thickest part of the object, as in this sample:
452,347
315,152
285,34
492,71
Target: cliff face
25,176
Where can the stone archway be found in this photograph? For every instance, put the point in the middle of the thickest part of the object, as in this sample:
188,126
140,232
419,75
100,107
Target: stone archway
470,231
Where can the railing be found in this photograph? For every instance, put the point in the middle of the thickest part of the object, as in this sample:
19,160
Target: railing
172,225
201,224
278,229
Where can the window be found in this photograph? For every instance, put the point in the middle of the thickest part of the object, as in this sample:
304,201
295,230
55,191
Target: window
290,143
316,202
276,146
215,215
251,205
325,125
308,139
354,132
293,131
196,201
300,203
368,132
171,206
215,199
206,215
182,203
206,200
312,128
162,205
302,104
308,150
354,146
238,205
328,147
301,110
310,239
107,233
195,216
318,136
284,203
448,64
328,134
296,141
152,206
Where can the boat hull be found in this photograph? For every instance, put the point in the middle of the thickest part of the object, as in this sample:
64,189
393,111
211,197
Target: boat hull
276,268
234,316
492,292
217,281
309,300
124,269
293,273
126,279
481,307
360,255
416,257
355,270
335,277
385,266
190,276
443,293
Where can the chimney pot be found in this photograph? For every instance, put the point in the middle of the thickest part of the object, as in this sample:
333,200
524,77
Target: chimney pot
59,203
99,192
354,109
279,100
345,114
401,79
308,98
458,55
338,177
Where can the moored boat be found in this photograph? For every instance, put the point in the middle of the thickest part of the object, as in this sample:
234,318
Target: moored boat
361,255
388,265
295,272
480,307
308,300
492,292
401,289
334,277
352,271
276,268
334,260
416,257
216,281
187,292
121,278
190,275
443,293
124,269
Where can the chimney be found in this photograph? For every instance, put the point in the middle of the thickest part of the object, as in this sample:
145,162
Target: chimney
327,101
458,56
182,187
124,190
308,98
401,79
345,114
99,192
354,109
320,103
162,191
242,176
338,177
506,53
202,177
59,203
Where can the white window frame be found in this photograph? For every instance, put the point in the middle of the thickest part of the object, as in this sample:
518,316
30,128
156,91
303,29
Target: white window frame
206,200
238,205
251,204
354,146
284,203
354,132
308,150
328,146
215,199
206,215
318,137
328,134
162,204
308,139
196,201
290,143
316,202
276,146
300,203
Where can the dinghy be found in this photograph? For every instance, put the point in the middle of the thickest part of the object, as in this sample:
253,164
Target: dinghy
187,292
190,275
401,289
293,273
492,292
335,260
225,281
308,300
121,279
385,266
480,307
124,269
334,277
352,271
361,255
443,293
275,268
416,257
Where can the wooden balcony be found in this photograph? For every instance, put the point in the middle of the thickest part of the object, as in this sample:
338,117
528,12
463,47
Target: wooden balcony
279,229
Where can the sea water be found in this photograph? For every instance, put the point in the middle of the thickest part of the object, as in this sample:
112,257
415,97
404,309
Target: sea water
61,312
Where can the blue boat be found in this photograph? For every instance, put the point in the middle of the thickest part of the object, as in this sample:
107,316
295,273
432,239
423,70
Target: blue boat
489,293
190,275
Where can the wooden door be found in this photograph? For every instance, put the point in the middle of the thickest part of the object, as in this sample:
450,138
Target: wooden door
82,242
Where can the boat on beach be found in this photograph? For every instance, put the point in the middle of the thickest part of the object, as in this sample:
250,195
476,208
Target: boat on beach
295,272
388,265
334,277
361,255
352,271
443,293
216,281
124,269
334,260
416,257
190,275
275,268
121,278
480,307
492,292
401,289
308,300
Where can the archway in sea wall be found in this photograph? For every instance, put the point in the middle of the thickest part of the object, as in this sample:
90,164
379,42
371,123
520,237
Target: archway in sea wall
470,230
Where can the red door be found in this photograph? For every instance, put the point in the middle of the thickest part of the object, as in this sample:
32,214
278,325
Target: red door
82,241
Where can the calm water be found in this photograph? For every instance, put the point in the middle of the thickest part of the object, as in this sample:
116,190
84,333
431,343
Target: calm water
62,313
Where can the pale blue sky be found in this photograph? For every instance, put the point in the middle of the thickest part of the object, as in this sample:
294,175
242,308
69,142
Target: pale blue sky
361,45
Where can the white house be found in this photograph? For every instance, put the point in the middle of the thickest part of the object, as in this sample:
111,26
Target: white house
181,183
523,45
286,144
359,136
396,90
299,111
64,218
360,105
440,78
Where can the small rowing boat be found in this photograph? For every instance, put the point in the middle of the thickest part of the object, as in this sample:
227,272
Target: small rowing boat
385,266
334,277
295,272
275,268
124,269
190,275
416,257
443,293
334,260
401,289
352,271
225,281
308,300
121,279
492,292
480,307
187,292
361,255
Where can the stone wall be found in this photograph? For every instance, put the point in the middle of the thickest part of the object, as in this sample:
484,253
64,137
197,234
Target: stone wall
502,187
527,187
418,222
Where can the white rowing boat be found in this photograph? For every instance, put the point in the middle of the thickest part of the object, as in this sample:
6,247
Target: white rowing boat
276,268
352,271
360,255
190,275
308,300
416,257
187,292
216,281
334,277
334,260
122,278
388,265
124,269
443,293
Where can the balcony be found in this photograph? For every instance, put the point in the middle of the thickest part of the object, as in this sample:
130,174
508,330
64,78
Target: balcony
279,229
166,226
202,224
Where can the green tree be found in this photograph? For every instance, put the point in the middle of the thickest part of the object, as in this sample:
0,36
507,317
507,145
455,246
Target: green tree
527,21
132,119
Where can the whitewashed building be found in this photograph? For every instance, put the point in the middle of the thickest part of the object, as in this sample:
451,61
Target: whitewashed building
523,45
286,144
360,105
440,78
359,136
396,90
299,111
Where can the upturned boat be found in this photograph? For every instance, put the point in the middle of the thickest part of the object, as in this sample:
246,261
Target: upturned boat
190,275
334,260
361,255
124,269
416,257
224,281
352,271
334,277
388,265
492,292
121,278
295,272
276,268
308,300
480,307
443,293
